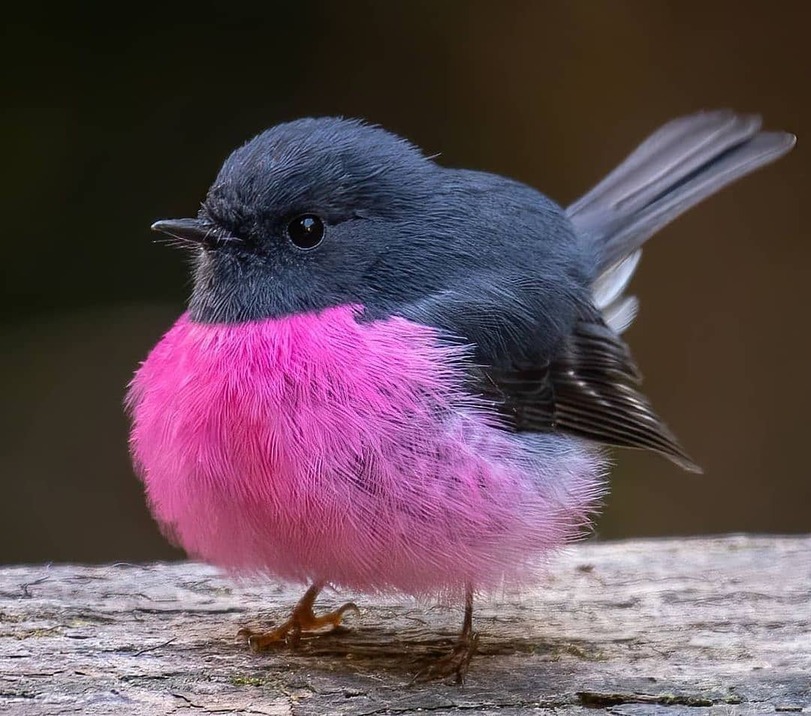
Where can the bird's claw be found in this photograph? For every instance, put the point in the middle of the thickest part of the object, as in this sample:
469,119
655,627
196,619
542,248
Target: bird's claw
455,664
301,621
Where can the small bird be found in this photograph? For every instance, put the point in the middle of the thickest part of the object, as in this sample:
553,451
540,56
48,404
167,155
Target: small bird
395,376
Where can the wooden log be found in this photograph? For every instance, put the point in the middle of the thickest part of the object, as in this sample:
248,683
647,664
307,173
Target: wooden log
693,626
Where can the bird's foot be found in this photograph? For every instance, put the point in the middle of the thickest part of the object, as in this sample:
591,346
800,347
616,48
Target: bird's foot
455,664
302,621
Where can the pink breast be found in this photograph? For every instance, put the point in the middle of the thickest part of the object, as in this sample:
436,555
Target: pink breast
320,447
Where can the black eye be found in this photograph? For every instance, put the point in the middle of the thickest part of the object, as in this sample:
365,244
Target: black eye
306,231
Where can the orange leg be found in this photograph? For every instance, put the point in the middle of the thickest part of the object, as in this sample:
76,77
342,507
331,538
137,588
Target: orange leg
302,620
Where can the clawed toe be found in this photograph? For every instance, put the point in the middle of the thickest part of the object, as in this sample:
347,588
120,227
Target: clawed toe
259,641
302,621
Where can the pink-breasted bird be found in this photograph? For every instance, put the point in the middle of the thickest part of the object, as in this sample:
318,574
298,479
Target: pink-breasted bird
397,376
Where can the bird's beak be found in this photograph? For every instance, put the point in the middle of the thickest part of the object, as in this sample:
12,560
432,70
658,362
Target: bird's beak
191,230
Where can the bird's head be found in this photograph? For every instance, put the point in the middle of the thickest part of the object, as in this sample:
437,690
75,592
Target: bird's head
311,214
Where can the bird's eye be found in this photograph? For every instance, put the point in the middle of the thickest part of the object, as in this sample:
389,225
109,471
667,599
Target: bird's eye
306,231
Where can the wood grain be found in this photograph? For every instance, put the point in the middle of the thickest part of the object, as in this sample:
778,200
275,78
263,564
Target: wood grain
697,626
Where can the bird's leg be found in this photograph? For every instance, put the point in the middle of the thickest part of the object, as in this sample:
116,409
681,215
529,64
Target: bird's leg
301,620
457,662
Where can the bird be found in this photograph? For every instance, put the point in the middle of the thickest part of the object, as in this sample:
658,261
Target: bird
394,376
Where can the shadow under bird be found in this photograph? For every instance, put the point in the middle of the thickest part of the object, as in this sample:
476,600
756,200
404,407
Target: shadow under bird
395,376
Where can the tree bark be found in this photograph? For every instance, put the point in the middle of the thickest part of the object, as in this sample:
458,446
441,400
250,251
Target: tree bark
689,626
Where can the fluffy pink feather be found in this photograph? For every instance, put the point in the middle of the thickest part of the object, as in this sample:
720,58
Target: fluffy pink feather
320,447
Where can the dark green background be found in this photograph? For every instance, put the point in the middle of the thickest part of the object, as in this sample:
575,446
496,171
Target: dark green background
110,124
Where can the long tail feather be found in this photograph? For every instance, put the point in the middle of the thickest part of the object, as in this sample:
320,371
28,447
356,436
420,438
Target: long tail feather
678,166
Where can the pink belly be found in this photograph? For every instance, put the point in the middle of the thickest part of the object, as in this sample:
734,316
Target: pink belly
317,447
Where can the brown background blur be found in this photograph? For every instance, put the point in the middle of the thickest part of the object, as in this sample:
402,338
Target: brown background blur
110,126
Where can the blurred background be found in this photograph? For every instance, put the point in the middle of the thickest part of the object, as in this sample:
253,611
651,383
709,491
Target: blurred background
109,126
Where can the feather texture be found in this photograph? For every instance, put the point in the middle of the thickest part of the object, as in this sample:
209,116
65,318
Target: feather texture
315,447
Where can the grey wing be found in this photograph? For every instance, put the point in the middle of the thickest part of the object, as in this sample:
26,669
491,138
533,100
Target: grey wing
585,383
590,385
590,388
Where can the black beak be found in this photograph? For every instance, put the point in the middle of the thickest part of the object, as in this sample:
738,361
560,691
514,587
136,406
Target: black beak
191,230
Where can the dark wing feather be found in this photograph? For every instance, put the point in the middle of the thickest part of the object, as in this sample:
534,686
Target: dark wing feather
590,389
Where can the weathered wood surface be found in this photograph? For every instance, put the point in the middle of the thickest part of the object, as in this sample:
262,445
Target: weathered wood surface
710,626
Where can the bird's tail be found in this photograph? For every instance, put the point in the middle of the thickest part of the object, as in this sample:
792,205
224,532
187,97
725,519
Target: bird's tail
678,166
